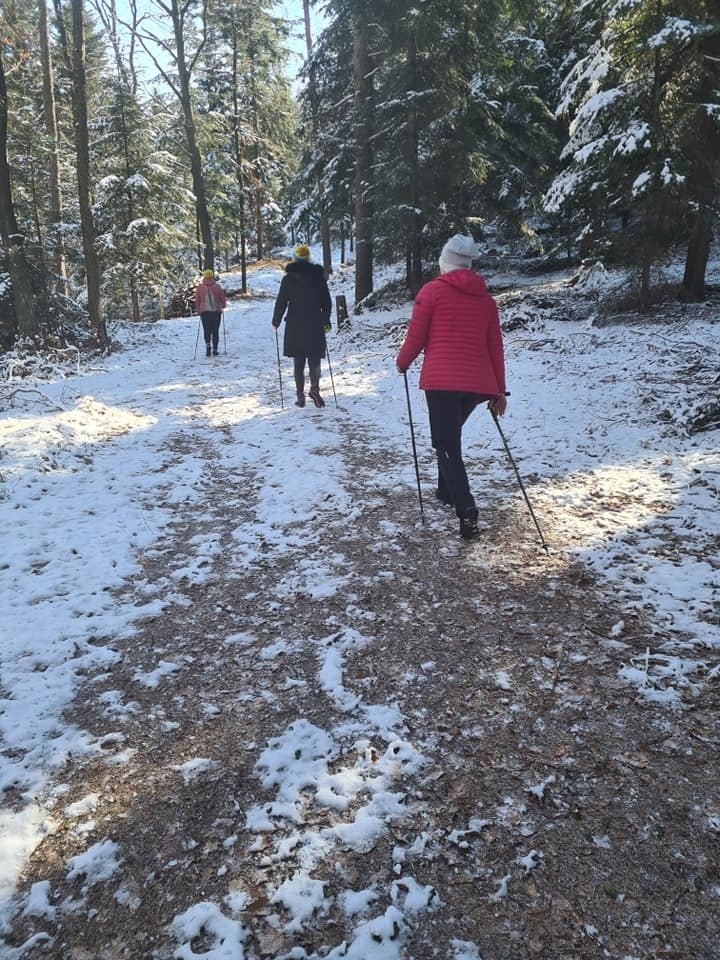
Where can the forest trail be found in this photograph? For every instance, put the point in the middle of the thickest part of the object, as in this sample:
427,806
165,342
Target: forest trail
348,727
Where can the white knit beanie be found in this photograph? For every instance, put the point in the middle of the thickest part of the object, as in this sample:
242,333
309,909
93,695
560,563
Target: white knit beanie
458,253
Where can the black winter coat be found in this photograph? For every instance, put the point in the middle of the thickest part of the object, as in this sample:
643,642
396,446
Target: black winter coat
304,292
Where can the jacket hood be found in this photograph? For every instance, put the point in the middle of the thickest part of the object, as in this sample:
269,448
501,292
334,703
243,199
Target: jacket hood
465,281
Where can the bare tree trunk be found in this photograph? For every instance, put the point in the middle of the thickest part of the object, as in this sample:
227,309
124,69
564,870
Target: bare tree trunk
201,207
259,186
324,219
705,184
698,253
239,158
177,11
363,90
128,81
12,241
414,237
82,147
56,204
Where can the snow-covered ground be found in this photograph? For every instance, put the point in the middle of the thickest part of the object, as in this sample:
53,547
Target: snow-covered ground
614,479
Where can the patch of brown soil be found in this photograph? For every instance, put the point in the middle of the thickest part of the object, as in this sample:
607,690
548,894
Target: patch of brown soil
560,817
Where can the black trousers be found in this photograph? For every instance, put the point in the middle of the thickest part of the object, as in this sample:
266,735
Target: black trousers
211,328
299,371
448,412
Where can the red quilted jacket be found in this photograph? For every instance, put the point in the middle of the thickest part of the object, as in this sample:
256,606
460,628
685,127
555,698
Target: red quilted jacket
455,321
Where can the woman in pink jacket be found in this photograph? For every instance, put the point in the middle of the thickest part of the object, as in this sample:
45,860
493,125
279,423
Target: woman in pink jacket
455,321
210,301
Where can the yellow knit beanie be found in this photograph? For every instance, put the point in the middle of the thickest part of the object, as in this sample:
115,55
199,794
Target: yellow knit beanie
301,252
208,274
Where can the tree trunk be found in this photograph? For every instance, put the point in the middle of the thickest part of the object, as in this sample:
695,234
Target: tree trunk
705,182
363,90
414,278
180,85
324,219
239,158
645,266
56,205
259,186
698,252
201,207
134,293
12,241
259,229
185,97
82,147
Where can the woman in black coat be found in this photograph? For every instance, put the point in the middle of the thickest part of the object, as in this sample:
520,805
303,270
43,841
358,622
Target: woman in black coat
304,294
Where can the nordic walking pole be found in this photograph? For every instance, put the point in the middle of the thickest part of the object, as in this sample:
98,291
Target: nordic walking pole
414,449
197,339
224,332
519,480
332,379
277,349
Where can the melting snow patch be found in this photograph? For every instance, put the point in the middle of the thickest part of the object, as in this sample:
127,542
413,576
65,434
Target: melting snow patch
502,889
153,677
538,789
206,919
97,864
192,769
464,950
531,860
413,897
357,901
38,901
302,897
381,938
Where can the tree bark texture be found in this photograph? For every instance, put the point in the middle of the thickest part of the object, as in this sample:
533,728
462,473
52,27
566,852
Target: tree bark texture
324,219
239,156
362,101
26,324
704,144
414,277
50,113
185,96
82,149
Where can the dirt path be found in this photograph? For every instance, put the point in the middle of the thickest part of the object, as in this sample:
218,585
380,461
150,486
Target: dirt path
552,814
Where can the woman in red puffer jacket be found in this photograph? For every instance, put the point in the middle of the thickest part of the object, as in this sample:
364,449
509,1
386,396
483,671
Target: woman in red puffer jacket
455,321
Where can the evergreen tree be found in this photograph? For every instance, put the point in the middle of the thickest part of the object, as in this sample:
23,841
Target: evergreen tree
140,200
188,23
627,98
449,123
12,240
248,120
700,143
323,182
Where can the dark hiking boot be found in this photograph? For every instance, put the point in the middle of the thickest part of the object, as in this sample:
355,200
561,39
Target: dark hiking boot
314,394
300,402
216,353
469,524
208,350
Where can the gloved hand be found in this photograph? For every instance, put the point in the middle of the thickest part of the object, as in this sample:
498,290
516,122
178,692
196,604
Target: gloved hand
328,328
275,326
